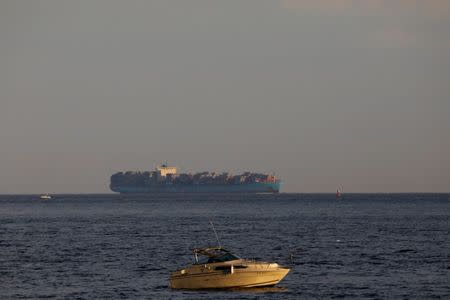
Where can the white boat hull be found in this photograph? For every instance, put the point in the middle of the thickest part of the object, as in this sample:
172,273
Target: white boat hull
206,277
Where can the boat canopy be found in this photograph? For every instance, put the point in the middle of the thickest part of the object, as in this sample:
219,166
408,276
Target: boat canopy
215,254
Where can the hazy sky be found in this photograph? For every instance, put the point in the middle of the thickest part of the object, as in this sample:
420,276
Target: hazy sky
323,93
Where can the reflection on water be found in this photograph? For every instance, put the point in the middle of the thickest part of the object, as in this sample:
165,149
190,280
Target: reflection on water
259,290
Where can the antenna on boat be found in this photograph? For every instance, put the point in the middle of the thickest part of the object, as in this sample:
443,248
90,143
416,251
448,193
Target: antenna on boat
217,237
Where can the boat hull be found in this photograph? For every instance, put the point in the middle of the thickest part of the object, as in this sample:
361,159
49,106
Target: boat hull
204,279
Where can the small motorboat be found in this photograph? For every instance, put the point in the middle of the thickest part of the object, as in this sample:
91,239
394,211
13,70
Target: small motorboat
221,269
45,197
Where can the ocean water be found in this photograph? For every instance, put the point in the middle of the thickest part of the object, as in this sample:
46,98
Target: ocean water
364,246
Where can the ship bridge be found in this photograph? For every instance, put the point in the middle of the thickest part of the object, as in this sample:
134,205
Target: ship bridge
164,170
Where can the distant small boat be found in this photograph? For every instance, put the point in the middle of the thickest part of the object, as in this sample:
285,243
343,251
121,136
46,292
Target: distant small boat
338,194
45,196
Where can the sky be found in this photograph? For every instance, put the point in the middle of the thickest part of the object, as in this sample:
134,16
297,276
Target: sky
325,94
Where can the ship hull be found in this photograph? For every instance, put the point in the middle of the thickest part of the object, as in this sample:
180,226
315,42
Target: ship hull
257,187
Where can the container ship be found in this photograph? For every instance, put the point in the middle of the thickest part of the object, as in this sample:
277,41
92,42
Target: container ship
166,179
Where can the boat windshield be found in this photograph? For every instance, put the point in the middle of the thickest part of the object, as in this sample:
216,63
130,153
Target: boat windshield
221,258
217,255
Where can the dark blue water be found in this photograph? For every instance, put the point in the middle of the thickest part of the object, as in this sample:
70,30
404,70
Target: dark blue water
118,247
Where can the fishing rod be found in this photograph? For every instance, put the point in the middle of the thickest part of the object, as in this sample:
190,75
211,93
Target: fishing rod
214,229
